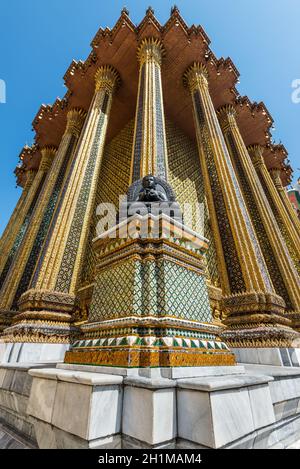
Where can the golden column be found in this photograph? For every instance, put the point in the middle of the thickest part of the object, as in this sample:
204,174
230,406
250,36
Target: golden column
25,258
21,218
252,304
51,299
280,265
275,175
150,148
287,227
7,236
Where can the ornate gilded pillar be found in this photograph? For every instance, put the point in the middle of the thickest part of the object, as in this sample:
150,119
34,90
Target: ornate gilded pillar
150,148
275,175
287,227
50,302
24,211
7,236
253,306
280,265
22,267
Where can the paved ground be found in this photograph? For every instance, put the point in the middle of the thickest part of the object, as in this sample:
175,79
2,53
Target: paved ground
10,440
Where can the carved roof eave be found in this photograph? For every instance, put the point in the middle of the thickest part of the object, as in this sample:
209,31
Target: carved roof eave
27,161
276,157
124,21
254,106
257,109
50,111
79,68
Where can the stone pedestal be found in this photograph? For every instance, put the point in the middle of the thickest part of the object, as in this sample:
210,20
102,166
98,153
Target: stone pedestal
227,407
71,410
254,406
150,304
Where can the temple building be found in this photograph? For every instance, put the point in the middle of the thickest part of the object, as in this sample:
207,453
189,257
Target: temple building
294,196
111,306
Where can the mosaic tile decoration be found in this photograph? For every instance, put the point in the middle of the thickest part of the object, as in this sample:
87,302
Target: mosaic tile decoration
160,130
231,259
21,233
115,180
139,129
151,341
186,179
294,255
43,229
67,264
128,289
259,226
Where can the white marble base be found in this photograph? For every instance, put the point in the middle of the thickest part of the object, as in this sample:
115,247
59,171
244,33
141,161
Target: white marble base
32,353
268,356
168,373
67,408
2,350
214,412
86,405
149,415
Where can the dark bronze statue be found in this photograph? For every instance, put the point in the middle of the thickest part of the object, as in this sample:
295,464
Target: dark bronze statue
149,192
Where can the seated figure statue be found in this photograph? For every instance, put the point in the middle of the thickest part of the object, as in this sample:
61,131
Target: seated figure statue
149,192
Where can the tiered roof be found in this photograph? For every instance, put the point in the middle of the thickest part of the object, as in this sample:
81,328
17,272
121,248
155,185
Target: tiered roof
183,45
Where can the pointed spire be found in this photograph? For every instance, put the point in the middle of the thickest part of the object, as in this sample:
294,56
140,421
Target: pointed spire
125,11
150,11
174,9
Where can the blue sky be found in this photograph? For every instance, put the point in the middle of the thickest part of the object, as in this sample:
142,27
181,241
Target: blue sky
39,39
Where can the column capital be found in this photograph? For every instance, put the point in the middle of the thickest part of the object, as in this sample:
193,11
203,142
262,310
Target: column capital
227,117
30,175
107,78
195,76
48,153
150,50
256,153
75,121
275,175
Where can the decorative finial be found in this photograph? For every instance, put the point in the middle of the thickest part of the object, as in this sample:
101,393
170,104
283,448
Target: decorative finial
125,11
149,11
174,9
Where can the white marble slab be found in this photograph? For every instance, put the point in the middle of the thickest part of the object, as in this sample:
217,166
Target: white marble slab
81,377
33,353
149,415
168,372
42,398
261,406
217,383
86,411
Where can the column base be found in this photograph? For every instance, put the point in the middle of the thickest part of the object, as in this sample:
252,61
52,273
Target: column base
6,319
294,316
258,320
44,317
148,342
